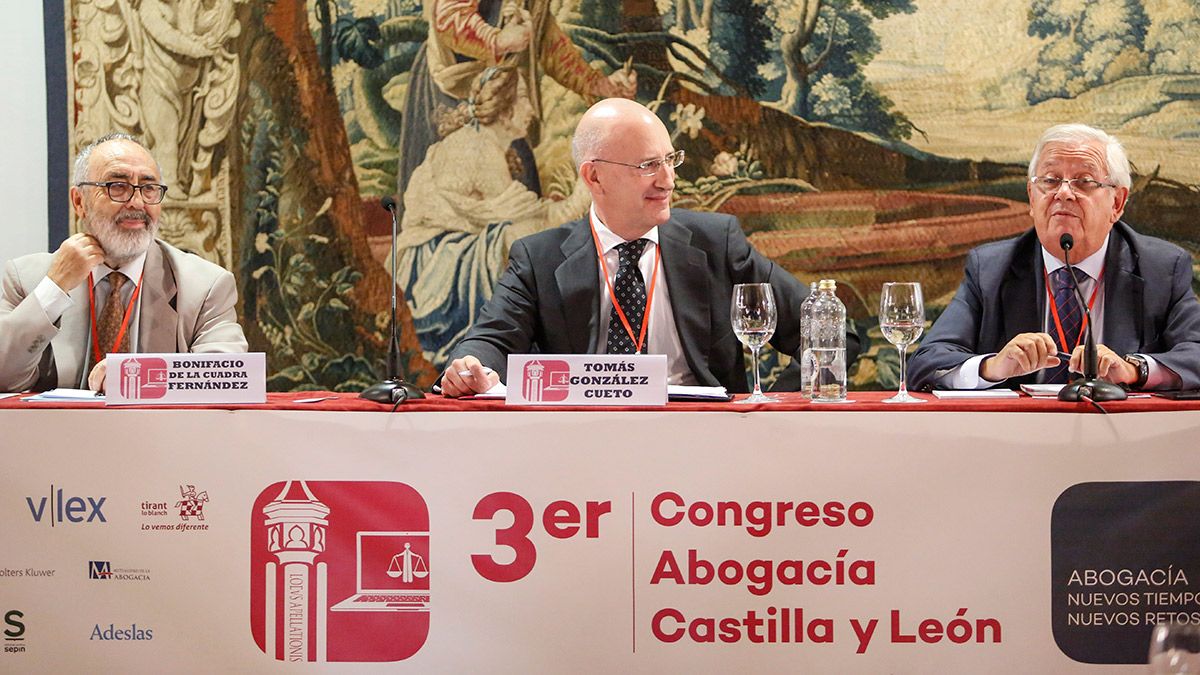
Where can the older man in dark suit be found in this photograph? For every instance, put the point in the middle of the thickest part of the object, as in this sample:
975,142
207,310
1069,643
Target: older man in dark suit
557,295
1016,314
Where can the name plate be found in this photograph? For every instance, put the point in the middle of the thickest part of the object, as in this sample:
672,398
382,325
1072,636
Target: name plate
587,379
173,379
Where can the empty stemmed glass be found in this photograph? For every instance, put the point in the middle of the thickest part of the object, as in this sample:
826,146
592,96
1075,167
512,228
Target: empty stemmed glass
753,314
1175,648
902,320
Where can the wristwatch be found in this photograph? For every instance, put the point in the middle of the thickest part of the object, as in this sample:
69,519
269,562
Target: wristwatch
1143,369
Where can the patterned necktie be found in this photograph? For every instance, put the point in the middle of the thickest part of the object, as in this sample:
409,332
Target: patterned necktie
109,323
1070,316
629,290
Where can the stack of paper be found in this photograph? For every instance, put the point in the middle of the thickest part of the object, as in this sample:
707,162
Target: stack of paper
975,393
68,395
1042,390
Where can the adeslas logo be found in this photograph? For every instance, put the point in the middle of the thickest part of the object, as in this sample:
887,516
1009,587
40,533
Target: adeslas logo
58,508
114,633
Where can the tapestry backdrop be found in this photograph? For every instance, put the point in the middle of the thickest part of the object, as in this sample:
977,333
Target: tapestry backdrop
863,140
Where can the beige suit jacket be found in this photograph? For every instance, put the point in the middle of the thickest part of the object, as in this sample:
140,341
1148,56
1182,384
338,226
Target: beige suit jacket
187,305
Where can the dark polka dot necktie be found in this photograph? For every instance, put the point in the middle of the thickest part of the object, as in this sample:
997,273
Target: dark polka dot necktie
1070,316
629,290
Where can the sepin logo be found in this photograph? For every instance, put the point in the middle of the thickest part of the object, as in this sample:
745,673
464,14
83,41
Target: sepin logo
114,633
102,570
14,632
56,508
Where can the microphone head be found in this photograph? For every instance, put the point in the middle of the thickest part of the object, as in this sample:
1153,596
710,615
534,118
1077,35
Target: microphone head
389,203
1066,242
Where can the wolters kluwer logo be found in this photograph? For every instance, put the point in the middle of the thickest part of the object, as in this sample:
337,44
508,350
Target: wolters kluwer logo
546,381
143,378
340,571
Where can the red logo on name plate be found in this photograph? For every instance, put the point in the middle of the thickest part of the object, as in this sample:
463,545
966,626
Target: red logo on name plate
339,571
546,381
143,378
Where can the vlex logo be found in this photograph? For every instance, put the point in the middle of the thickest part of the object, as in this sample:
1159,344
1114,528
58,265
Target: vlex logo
69,510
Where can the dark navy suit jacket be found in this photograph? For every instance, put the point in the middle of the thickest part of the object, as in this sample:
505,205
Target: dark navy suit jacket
1149,306
548,298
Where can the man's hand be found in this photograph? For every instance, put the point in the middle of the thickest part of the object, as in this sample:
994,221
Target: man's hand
477,380
514,36
1023,354
1109,365
74,260
96,377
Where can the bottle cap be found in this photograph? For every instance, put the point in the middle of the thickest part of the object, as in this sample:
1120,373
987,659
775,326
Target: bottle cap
828,285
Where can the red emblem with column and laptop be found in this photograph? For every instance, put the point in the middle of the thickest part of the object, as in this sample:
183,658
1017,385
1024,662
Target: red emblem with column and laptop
546,381
339,571
143,378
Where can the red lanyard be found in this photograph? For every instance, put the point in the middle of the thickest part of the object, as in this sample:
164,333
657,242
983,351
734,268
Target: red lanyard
124,323
641,338
1062,336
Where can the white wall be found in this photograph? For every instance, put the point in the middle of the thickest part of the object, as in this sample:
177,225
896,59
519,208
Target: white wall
23,222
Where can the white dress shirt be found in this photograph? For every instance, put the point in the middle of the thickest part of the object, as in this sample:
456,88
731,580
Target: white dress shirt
661,333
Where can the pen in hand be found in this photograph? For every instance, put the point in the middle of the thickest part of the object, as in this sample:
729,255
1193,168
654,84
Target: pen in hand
467,373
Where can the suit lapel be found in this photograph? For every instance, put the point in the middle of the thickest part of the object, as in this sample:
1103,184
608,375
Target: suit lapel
1024,281
1123,296
689,286
577,279
157,317
72,346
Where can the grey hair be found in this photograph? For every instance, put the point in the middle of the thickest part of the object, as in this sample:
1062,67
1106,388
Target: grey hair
81,160
1114,152
586,144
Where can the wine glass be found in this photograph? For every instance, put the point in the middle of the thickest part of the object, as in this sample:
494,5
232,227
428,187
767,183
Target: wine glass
902,320
1175,648
753,314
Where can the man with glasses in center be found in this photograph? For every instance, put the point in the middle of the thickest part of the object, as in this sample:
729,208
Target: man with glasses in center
111,287
671,272
1017,317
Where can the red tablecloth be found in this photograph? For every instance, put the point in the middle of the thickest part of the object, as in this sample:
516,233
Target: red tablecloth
791,402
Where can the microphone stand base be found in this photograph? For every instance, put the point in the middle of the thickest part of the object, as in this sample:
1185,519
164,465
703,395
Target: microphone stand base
391,391
1097,390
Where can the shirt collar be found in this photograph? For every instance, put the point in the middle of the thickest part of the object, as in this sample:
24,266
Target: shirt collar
609,240
1092,265
132,269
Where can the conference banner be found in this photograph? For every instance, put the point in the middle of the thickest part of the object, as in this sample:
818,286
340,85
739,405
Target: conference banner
645,541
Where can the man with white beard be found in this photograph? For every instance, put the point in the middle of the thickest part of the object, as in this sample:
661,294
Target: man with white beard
112,288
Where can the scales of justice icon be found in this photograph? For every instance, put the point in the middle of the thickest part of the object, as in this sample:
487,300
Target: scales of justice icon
399,585
402,565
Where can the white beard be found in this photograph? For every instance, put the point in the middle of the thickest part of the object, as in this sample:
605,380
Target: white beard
123,245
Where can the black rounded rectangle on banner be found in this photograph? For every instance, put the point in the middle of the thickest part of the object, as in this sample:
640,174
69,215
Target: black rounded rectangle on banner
1125,556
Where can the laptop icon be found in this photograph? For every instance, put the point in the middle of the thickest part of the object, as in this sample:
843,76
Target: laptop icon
392,575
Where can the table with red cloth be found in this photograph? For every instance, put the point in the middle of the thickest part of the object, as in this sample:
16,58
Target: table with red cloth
783,537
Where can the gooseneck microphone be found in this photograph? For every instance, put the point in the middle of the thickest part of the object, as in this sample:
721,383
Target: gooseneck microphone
1088,386
394,389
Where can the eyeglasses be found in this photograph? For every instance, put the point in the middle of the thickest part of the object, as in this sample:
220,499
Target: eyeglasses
122,191
651,167
1079,186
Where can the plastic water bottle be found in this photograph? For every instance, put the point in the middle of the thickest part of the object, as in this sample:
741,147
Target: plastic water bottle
806,335
828,344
